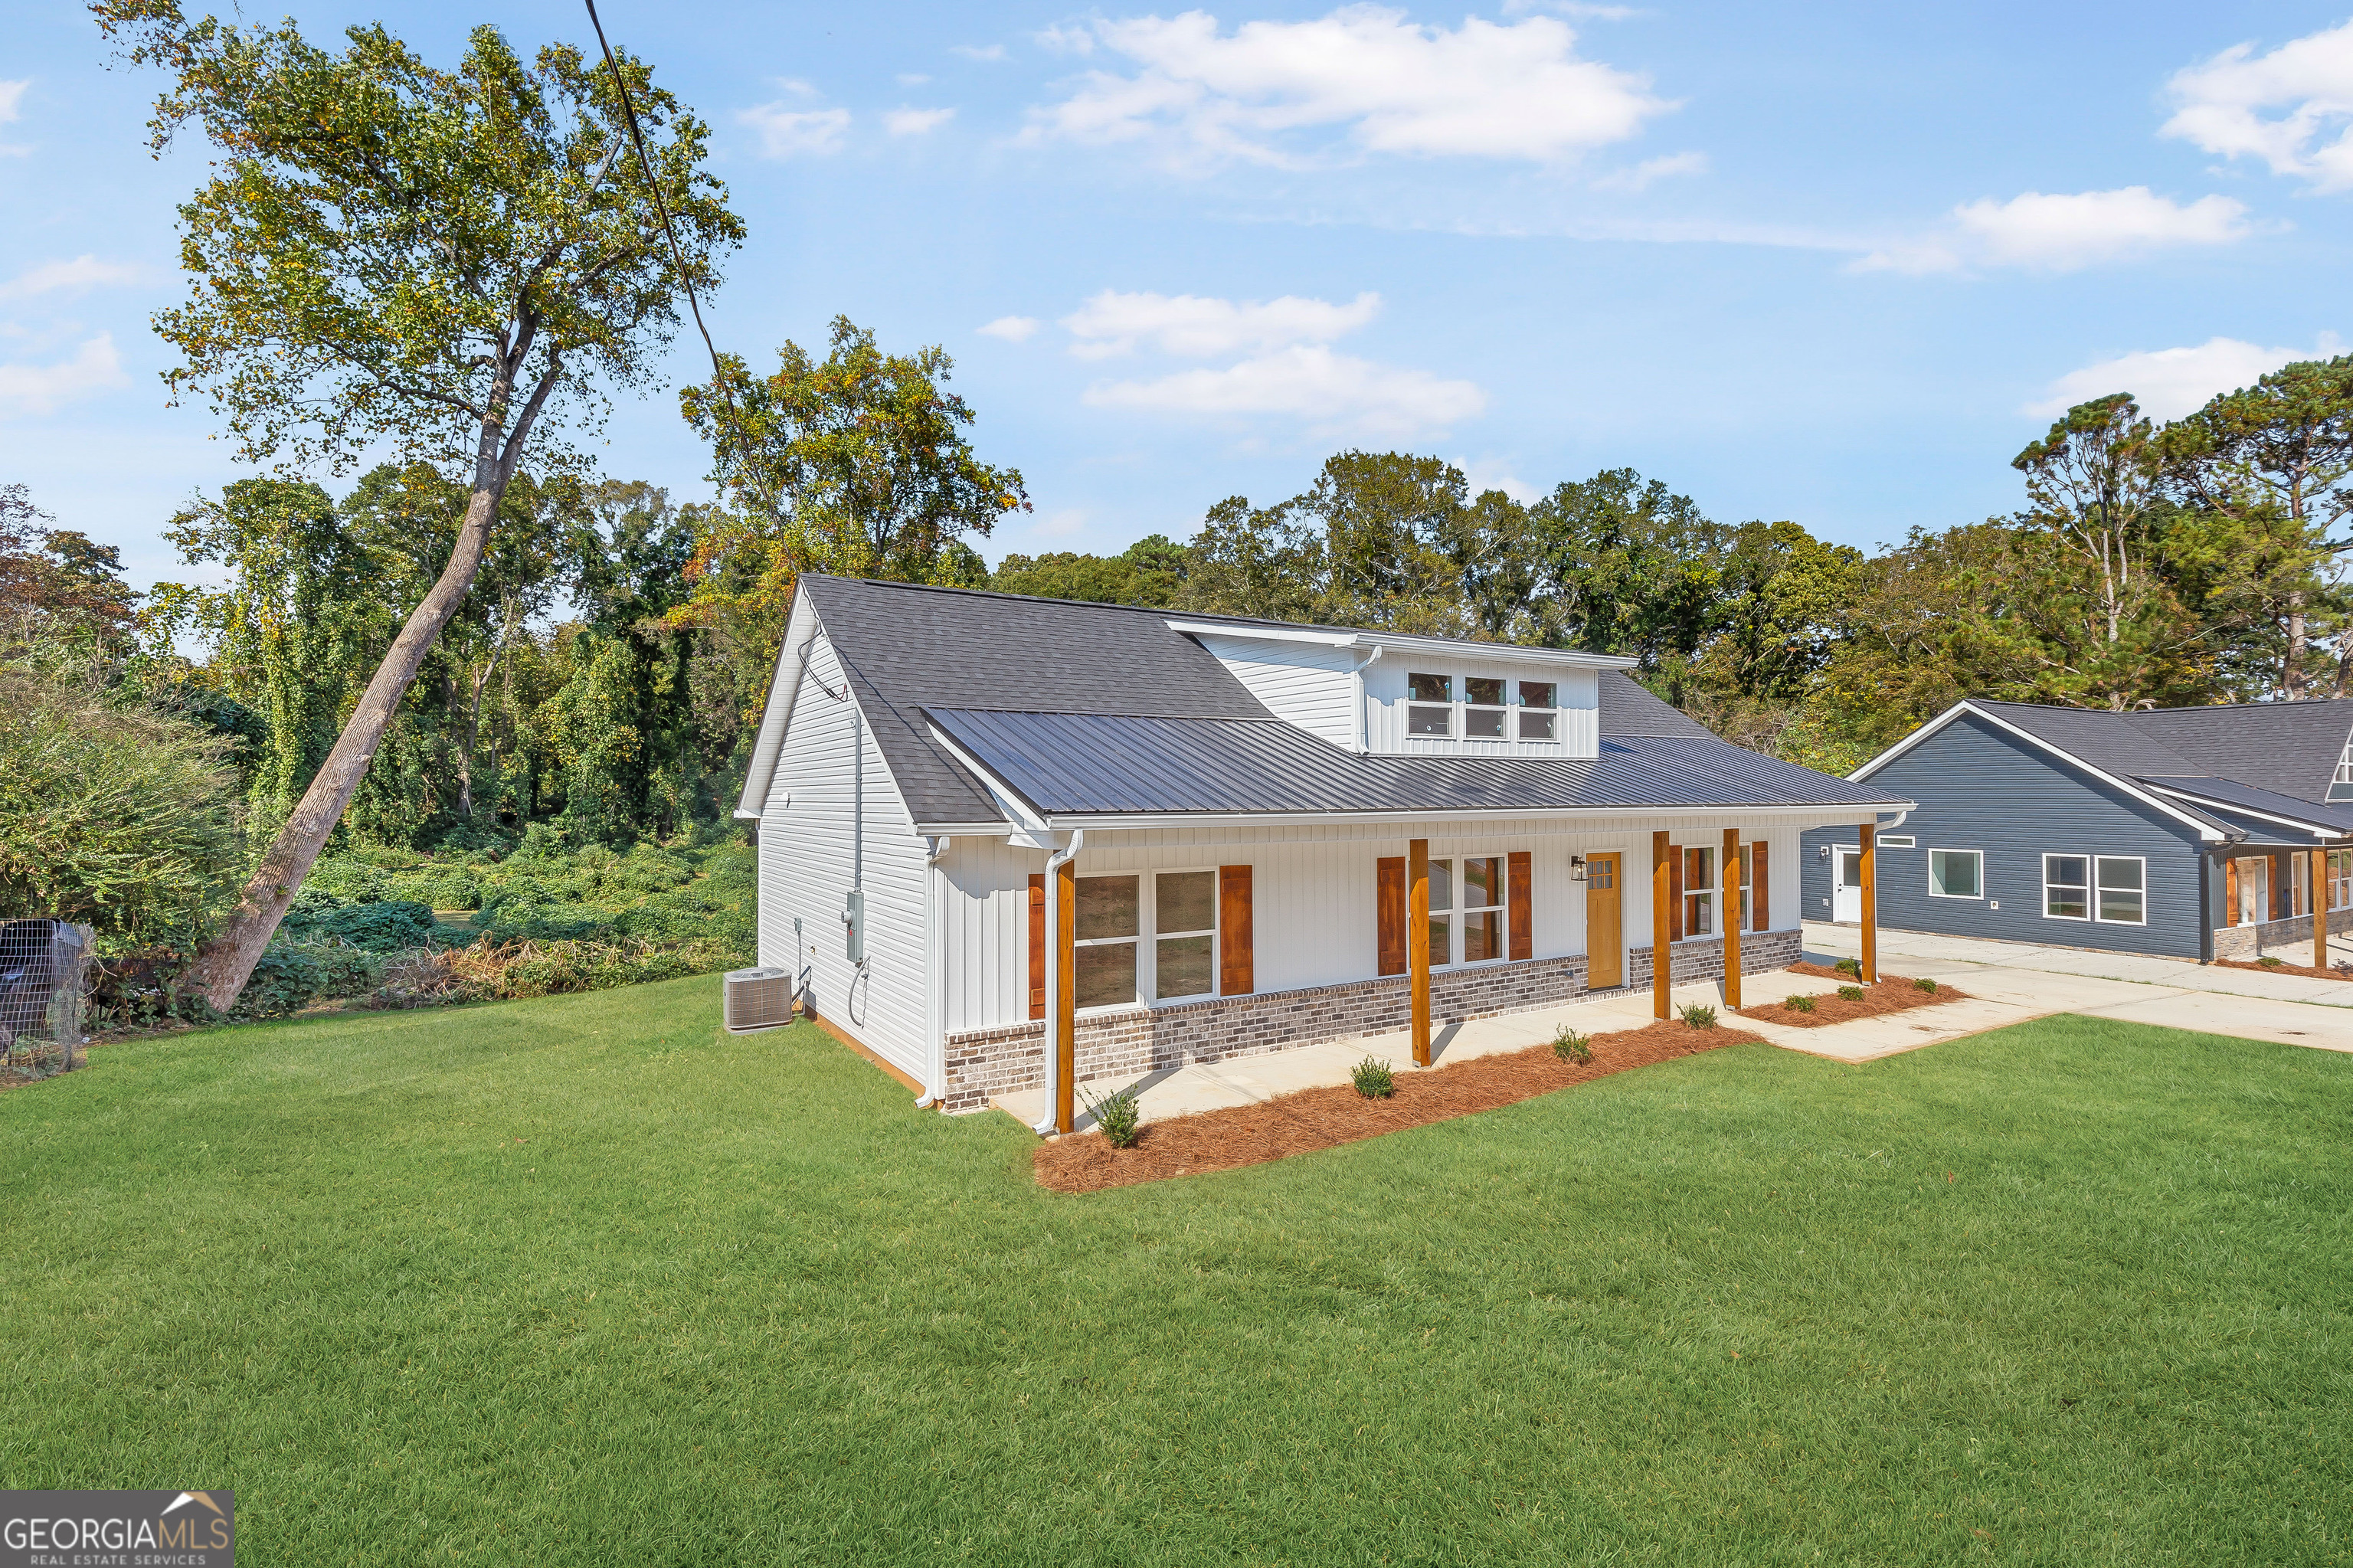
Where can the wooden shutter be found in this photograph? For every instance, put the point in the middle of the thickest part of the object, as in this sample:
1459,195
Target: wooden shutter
1519,898
1760,898
1037,945
1674,896
2231,891
1234,941
1389,889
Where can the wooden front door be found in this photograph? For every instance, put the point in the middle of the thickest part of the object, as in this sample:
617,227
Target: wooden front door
1605,935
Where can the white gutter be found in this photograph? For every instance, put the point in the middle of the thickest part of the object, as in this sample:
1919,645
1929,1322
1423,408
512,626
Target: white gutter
1836,811
1054,862
936,979
1449,647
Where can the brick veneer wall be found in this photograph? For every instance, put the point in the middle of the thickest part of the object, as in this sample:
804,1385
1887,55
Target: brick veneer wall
2244,942
1005,1060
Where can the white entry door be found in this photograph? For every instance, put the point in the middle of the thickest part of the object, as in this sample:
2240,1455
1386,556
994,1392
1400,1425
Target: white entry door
1846,886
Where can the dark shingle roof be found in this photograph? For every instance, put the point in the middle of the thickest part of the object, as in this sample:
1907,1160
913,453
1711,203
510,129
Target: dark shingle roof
2288,749
1628,707
1084,764
2108,741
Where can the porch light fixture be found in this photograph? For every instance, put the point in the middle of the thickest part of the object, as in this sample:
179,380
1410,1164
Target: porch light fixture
1577,868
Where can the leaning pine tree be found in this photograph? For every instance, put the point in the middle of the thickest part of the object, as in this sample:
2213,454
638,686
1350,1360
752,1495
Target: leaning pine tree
444,263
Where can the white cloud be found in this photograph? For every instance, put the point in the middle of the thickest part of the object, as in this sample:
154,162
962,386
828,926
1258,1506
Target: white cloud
988,52
1012,329
1640,177
2171,382
1112,322
1336,393
784,132
1059,524
912,79
915,121
1579,9
2062,233
1485,474
1484,89
2307,81
38,388
78,276
1062,41
12,94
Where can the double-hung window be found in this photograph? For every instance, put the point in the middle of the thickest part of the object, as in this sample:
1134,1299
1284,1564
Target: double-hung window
1184,935
1956,873
1108,926
1482,708
1429,704
2340,879
2110,888
1539,710
1481,915
1699,892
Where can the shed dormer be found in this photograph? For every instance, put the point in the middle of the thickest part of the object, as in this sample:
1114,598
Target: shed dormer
1376,691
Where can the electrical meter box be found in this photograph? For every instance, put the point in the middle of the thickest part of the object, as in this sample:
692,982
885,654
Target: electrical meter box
853,920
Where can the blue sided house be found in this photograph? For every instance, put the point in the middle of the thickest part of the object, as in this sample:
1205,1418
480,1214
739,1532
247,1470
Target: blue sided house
2207,833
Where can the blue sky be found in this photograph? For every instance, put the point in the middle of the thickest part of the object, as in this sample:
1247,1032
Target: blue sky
1832,263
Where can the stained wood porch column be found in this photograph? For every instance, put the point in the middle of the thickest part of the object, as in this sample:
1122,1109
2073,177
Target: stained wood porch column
2318,883
1869,832
1417,944
1663,897
1066,1005
1727,883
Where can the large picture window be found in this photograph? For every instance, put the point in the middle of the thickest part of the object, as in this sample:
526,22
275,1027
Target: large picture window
1108,925
1956,873
1184,935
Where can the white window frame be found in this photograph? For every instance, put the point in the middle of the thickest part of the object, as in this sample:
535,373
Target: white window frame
1501,908
1890,841
2345,765
1523,710
1150,918
2340,879
1414,705
1976,897
1143,925
2089,884
1695,897
1501,710
2141,860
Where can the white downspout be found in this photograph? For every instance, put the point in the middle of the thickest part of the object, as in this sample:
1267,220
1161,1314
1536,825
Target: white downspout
1357,680
1055,864
936,979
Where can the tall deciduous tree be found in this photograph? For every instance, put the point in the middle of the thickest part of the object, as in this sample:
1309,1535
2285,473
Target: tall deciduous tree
444,263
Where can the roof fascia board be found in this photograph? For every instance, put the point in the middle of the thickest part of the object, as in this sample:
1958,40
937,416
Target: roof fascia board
1451,647
2206,832
1909,741
1266,633
777,712
1836,813
2233,808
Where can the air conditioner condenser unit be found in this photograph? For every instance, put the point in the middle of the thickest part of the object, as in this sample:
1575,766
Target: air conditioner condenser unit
758,999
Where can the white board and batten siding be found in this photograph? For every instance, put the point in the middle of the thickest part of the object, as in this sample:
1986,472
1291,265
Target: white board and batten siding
1314,913
834,821
1310,685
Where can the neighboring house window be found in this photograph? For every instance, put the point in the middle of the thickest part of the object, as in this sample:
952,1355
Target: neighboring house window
1482,916
1956,873
1482,711
1699,892
2254,878
1107,921
1429,704
1540,705
2340,879
2067,886
1184,935
2123,891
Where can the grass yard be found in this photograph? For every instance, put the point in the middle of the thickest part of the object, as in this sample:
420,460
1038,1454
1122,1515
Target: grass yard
584,1281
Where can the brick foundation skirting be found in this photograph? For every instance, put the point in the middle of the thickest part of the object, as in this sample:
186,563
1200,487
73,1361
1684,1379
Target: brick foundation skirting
2279,937
983,1063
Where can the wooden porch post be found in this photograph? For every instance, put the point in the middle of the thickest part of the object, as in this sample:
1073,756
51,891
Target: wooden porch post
1066,1006
1727,883
1417,944
2317,886
1870,903
1663,897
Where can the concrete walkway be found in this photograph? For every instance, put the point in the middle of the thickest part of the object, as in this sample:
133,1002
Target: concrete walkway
2008,983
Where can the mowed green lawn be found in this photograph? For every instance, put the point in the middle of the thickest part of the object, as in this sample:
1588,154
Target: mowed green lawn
587,1281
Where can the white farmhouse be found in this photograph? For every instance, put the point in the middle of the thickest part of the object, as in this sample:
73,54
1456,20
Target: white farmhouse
1008,842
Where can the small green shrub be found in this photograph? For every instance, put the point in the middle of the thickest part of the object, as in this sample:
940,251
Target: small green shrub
1799,1002
1849,994
284,979
1571,1046
1850,966
1116,1115
1699,1015
2271,961
1373,1079
1923,983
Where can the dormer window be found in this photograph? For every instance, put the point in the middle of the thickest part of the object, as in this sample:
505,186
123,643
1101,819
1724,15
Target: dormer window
1482,712
1429,704
1539,710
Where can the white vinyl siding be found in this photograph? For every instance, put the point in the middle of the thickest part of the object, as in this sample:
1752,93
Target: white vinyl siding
834,821
1310,685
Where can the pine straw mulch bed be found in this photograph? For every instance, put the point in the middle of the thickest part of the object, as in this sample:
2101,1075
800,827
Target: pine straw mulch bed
1893,994
1311,1119
2284,968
